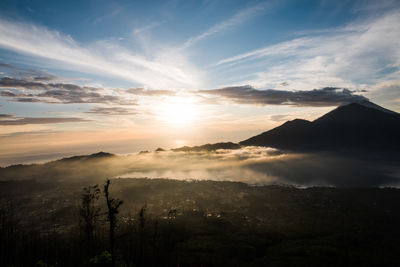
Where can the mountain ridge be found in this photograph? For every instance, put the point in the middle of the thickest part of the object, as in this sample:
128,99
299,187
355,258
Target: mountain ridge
355,126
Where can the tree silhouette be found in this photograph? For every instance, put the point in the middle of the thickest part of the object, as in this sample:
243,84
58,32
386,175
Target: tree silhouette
112,206
89,213
142,238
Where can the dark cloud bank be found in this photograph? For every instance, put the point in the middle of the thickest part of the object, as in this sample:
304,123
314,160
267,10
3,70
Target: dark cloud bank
9,119
146,92
328,96
112,111
42,89
56,93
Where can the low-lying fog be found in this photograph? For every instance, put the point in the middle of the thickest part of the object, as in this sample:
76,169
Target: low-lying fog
261,165
253,165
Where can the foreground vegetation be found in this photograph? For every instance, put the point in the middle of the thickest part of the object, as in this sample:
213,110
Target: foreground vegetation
196,223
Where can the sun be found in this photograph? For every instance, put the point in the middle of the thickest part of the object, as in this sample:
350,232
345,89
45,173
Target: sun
178,111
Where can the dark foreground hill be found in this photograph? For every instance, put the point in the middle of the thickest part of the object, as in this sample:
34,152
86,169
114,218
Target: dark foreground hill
362,126
200,223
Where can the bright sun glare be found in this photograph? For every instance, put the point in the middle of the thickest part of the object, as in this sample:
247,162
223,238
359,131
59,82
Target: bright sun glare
178,111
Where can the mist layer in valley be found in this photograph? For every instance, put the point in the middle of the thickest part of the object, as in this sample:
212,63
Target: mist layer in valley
250,164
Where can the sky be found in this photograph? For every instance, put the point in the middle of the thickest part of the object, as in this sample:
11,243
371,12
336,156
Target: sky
77,77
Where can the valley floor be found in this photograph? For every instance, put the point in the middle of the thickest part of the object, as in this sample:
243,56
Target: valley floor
200,223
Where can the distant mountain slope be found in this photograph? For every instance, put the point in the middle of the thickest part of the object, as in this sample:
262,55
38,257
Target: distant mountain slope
355,126
94,166
207,147
98,155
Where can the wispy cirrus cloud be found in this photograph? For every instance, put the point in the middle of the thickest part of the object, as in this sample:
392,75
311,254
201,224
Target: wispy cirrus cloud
328,96
357,55
237,19
148,27
110,14
163,68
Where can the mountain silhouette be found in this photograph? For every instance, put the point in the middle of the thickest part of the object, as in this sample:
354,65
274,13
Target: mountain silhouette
361,126
98,155
207,147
